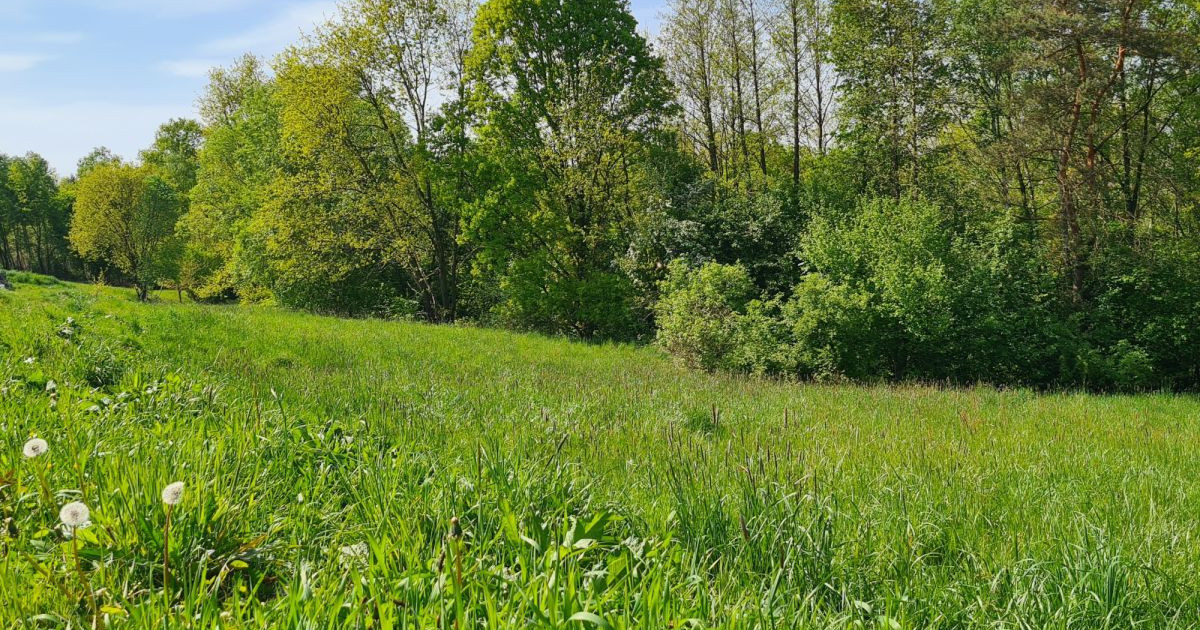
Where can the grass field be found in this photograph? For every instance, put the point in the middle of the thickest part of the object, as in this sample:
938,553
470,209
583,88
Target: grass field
593,486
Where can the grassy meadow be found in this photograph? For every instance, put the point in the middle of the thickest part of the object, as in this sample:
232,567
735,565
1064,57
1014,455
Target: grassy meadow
369,474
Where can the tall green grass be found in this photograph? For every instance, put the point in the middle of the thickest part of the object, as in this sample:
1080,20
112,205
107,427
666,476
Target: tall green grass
594,486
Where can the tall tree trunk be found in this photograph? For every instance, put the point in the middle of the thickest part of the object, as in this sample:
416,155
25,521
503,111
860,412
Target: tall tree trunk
794,63
756,77
706,109
737,100
1068,211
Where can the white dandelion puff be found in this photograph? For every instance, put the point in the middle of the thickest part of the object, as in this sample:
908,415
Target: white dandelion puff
173,493
51,386
74,514
35,447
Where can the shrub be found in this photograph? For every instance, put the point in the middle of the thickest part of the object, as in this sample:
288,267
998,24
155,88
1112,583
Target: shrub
598,305
1146,315
836,330
699,314
905,289
884,302
763,341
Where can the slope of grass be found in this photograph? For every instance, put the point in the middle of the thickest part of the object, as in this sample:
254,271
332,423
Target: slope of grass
593,486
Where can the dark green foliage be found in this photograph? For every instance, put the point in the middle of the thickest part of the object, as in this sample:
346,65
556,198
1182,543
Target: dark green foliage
357,293
34,218
1146,320
571,99
898,291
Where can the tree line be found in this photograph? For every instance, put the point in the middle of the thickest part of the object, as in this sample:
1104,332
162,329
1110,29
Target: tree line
962,190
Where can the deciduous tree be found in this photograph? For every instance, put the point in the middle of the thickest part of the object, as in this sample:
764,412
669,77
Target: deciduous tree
125,215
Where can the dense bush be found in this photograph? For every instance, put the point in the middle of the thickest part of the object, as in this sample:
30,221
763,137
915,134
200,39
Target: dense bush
834,330
1146,317
599,304
918,297
701,311
898,289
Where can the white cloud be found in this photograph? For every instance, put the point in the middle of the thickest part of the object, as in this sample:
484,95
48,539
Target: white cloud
64,132
277,33
189,68
10,62
266,39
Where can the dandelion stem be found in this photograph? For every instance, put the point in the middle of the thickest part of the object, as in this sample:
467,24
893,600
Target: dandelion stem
167,552
97,620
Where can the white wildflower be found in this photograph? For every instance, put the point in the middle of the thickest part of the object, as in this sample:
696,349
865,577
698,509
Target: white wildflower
35,447
173,493
357,551
74,514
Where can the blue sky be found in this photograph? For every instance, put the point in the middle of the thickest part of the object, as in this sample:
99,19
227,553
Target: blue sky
76,74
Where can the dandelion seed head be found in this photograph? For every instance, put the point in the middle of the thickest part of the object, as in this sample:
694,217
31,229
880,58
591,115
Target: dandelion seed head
74,514
173,493
35,447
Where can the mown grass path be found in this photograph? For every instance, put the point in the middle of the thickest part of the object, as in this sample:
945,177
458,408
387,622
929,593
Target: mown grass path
595,486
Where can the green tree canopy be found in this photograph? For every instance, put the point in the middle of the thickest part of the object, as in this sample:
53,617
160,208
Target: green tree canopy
125,215
571,97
